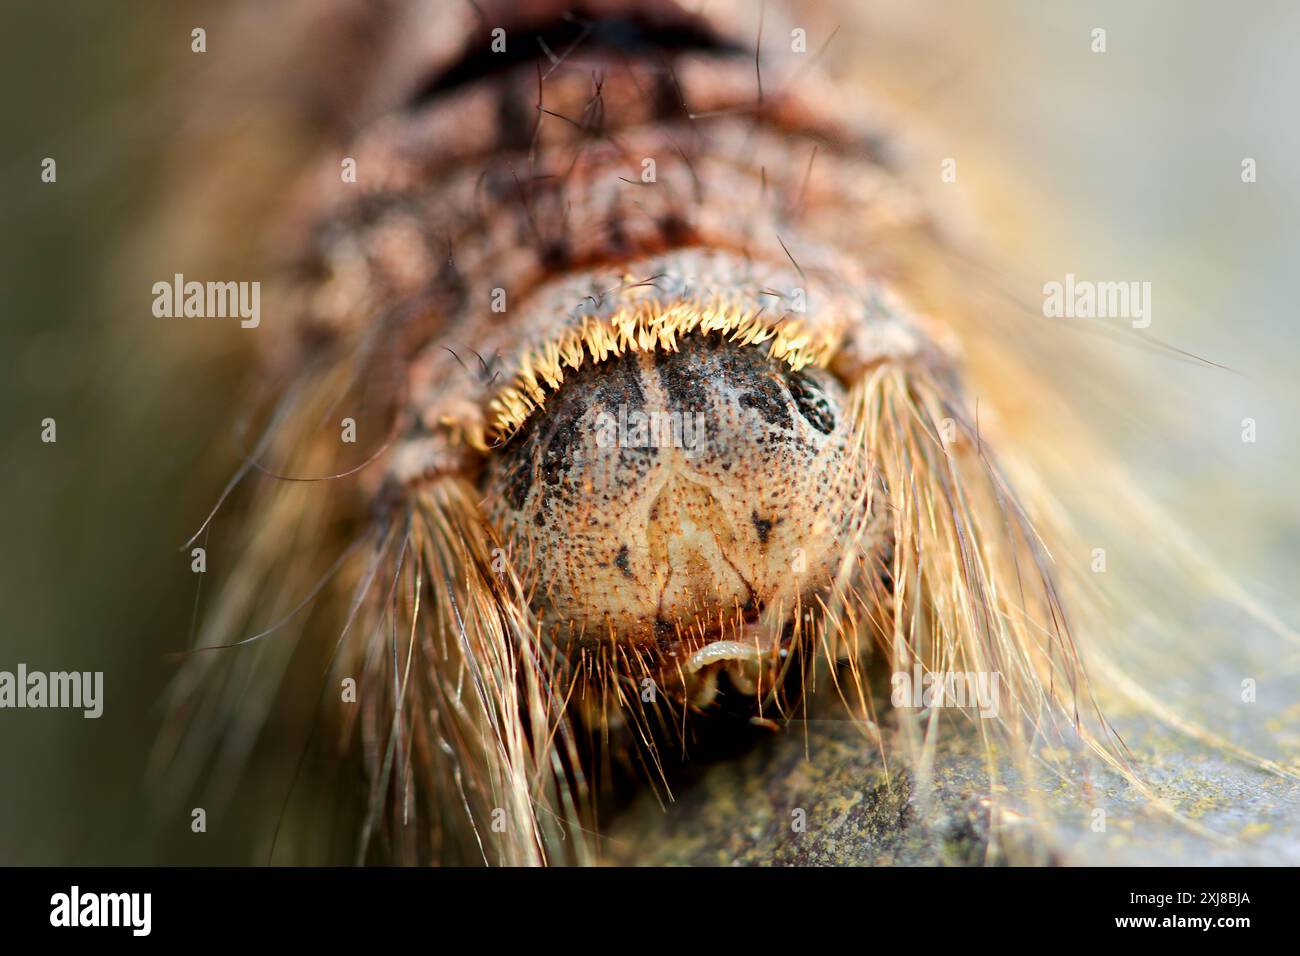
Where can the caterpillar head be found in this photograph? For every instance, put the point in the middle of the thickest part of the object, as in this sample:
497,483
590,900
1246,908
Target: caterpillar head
682,504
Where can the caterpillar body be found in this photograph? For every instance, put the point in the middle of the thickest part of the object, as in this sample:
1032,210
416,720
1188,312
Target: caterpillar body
655,367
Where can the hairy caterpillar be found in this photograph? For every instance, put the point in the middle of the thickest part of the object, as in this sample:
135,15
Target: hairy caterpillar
592,213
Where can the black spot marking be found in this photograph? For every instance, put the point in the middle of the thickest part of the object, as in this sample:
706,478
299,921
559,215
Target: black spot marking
557,456
621,559
750,372
518,481
556,253
665,633
517,464
811,402
674,229
618,383
761,525
514,118
542,453
773,412
667,99
683,377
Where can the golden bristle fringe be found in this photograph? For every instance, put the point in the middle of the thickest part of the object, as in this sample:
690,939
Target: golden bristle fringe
646,326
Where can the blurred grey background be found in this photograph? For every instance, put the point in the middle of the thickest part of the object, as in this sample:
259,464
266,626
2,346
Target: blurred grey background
1122,165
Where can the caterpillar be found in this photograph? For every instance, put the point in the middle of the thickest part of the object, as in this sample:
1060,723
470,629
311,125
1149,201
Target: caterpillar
613,405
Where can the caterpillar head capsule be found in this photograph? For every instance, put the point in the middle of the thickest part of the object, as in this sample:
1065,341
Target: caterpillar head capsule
687,500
